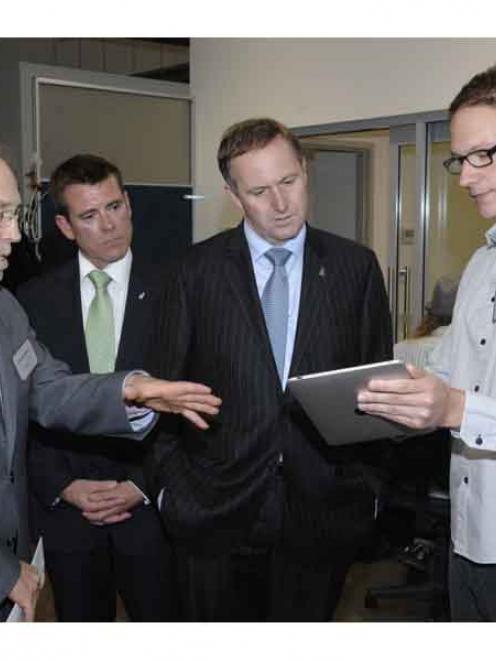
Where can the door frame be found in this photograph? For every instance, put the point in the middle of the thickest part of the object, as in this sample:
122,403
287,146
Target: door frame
363,170
418,126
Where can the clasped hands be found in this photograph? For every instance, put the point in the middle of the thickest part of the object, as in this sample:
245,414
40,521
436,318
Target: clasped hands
423,401
191,400
103,501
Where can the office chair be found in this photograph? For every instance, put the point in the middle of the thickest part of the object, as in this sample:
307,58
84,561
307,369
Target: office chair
418,492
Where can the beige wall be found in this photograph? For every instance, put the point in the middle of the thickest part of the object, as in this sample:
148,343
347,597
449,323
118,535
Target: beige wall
314,81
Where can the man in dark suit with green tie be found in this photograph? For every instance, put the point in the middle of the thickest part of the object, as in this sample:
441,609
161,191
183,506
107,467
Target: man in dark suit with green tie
101,533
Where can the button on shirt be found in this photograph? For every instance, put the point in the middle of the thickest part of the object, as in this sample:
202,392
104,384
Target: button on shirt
294,269
466,359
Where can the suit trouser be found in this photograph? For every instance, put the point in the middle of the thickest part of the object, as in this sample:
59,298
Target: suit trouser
252,584
85,582
472,588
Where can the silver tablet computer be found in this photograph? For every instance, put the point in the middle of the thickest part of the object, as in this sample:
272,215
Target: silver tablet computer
330,401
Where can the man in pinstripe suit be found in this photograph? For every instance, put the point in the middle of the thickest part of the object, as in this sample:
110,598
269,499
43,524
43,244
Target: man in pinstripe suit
266,517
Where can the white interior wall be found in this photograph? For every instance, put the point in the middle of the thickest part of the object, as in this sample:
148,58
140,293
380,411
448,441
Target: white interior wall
314,81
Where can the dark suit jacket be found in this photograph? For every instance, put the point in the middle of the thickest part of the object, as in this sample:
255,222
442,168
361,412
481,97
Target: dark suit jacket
262,460
53,303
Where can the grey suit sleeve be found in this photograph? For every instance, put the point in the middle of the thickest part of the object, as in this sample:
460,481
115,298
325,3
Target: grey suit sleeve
87,404
83,403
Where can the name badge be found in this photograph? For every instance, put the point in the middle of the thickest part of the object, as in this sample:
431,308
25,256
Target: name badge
25,360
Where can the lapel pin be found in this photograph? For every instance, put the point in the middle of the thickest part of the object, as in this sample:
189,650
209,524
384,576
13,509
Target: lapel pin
322,272
142,295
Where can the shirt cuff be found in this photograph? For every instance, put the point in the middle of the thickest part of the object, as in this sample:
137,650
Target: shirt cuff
478,428
140,417
146,500
160,499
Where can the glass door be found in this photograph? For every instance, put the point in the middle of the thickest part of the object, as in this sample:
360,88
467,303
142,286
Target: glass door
405,261
436,227
416,218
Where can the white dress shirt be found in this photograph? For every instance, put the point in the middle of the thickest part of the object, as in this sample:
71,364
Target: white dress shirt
466,359
294,269
120,272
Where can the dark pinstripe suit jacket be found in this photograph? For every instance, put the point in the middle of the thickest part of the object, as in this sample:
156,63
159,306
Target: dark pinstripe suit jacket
219,483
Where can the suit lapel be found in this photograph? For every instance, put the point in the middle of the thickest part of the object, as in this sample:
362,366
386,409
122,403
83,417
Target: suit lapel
72,335
138,302
241,280
317,281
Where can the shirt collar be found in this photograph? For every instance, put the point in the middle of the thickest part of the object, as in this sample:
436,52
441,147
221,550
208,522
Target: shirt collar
258,246
119,271
491,237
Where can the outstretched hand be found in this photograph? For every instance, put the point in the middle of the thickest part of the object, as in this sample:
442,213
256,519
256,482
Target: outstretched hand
181,397
421,402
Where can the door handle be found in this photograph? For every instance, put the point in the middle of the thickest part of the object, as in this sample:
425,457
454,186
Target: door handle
404,273
390,283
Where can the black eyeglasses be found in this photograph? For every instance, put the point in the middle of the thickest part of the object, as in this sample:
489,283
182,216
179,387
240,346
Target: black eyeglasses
9,216
480,158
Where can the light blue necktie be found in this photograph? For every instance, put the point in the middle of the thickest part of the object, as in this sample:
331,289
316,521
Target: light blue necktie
275,305
99,331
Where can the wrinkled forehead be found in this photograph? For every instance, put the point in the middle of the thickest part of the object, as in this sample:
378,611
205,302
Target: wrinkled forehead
9,193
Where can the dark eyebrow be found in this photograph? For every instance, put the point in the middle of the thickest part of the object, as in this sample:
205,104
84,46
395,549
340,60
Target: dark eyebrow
86,211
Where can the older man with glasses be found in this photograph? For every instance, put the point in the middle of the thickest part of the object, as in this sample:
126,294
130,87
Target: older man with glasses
36,386
460,390
10,220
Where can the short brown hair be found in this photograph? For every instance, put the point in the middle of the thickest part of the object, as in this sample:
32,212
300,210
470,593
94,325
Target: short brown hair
479,91
80,169
252,134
